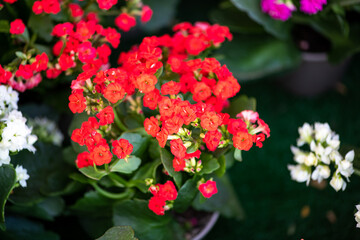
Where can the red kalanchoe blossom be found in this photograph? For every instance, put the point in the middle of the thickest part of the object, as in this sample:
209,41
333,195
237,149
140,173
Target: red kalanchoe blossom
170,88
208,189
76,10
83,160
25,71
172,125
53,73
101,155
86,52
167,191
4,75
62,29
236,125
162,137
122,148
151,99
248,116
212,139
41,62
151,126
114,92
260,138
37,7
77,102
145,83
178,164
146,14
125,22
243,140
51,6
177,148
201,91
106,4
17,27
210,121
10,1
112,36
106,116
66,61
157,204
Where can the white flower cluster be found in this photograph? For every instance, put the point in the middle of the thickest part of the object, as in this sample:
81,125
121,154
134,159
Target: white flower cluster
15,135
357,216
46,130
324,151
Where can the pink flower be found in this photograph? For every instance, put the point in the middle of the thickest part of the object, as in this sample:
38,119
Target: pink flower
277,9
312,6
208,189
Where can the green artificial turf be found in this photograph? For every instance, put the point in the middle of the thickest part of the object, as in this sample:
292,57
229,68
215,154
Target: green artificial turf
271,200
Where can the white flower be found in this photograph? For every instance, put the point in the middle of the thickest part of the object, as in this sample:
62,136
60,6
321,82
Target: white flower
311,160
8,100
300,173
345,167
337,182
4,156
21,175
305,133
321,172
322,131
357,216
299,156
333,141
321,152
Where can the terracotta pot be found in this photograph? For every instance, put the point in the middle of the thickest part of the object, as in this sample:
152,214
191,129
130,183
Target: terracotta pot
314,76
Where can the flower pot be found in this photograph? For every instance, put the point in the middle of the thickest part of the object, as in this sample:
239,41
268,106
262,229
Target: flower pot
210,224
314,76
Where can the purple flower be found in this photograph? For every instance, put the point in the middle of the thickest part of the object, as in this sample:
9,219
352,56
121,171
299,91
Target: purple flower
311,6
277,10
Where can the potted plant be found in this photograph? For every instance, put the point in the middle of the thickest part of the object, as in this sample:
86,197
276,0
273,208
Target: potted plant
319,36
150,143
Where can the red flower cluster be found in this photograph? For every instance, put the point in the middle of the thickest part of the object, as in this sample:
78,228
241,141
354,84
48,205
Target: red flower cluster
99,150
162,193
17,27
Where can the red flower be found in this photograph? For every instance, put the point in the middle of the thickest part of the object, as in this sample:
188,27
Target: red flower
40,63
157,204
208,189
51,6
177,148
17,27
112,36
151,126
178,164
4,75
212,139
25,71
145,83
146,14
151,99
101,155
201,91
210,121
106,4
76,10
125,21
122,148
172,125
83,160
170,88
162,137
86,52
167,191
236,125
243,140
106,116
37,7
66,61
114,92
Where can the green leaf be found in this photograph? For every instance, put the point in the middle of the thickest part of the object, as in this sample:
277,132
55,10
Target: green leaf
21,55
128,167
94,212
167,161
42,25
253,9
146,224
49,175
241,103
186,195
7,183
210,164
119,233
4,26
21,228
153,149
225,201
47,210
139,142
90,172
222,169
80,178
69,155
237,155
146,171
163,14
229,158
254,56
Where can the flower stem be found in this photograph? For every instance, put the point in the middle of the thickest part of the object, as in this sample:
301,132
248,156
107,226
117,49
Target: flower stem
349,2
128,193
118,122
